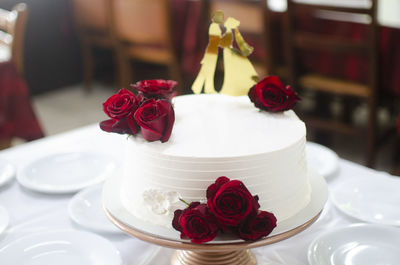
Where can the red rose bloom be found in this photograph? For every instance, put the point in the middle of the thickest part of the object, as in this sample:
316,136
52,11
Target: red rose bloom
120,108
156,119
120,105
271,95
257,226
157,88
196,223
230,201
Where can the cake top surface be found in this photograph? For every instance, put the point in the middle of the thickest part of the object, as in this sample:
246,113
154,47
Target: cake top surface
220,126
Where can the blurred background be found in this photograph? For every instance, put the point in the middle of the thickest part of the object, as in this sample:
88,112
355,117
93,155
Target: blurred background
60,59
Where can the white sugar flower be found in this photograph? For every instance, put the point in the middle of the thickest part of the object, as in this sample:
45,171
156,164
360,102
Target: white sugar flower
161,202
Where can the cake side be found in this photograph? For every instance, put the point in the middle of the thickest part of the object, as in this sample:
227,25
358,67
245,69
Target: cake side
217,135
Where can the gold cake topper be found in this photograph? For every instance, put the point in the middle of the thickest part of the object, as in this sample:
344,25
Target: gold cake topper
239,73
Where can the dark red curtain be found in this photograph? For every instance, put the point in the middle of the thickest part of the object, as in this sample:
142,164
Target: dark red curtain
17,118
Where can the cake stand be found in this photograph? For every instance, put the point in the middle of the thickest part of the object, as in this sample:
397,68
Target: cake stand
224,249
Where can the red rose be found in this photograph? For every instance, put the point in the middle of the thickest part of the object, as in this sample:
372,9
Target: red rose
271,95
230,201
156,119
157,88
196,223
257,226
120,105
120,108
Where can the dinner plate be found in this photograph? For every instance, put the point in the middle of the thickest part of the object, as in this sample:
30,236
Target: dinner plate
7,171
66,172
64,247
86,210
358,244
322,159
372,199
4,219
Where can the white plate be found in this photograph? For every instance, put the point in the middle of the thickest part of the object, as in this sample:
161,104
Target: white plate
373,199
64,247
66,172
112,202
4,219
360,244
7,171
86,210
322,159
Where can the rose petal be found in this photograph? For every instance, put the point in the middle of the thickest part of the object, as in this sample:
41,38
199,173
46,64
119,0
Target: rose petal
150,135
193,205
107,125
271,80
221,181
121,127
252,94
212,189
175,221
166,107
116,126
256,205
256,227
132,124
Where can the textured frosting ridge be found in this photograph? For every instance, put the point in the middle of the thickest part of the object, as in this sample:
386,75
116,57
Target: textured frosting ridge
217,135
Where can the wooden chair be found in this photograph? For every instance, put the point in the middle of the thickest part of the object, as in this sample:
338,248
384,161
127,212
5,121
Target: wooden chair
12,34
252,26
93,24
298,40
143,31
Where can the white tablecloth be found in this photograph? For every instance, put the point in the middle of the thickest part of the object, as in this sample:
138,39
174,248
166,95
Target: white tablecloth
33,212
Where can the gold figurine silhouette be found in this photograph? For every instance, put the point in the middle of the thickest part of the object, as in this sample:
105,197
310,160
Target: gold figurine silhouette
209,62
239,73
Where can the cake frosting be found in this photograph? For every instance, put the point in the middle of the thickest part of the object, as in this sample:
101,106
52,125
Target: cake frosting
217,135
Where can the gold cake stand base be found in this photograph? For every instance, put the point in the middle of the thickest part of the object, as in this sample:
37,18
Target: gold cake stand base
239,257
237,253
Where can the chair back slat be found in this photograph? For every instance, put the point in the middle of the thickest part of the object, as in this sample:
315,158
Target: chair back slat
309,41
90,16
142,21
249,14
367,10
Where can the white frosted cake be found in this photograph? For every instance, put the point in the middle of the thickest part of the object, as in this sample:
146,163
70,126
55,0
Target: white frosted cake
218,135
